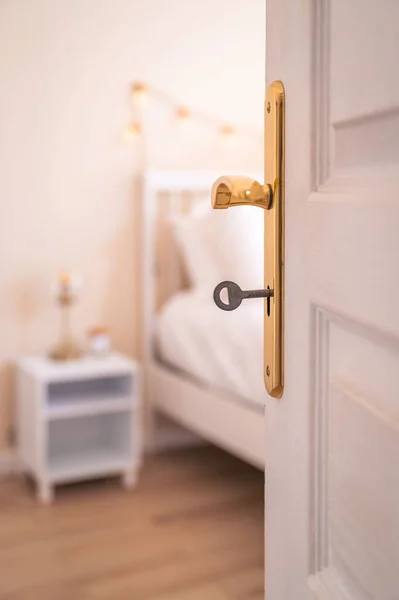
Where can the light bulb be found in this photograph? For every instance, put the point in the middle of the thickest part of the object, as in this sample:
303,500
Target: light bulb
228,135
133,131
183,117
139,94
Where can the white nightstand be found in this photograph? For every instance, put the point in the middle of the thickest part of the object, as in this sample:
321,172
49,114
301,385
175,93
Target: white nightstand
78,420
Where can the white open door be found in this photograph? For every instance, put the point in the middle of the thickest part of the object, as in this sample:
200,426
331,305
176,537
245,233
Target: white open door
332,476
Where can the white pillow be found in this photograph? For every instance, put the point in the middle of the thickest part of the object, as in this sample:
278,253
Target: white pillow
222,244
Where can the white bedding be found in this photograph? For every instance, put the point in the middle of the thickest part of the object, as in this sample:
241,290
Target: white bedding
219,348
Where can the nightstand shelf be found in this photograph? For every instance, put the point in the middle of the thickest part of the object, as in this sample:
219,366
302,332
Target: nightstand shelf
91,464
78,420
71,407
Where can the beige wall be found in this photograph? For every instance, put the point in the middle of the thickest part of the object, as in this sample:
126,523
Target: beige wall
66,179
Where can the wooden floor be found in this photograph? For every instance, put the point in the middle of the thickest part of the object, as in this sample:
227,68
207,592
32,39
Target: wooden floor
192,530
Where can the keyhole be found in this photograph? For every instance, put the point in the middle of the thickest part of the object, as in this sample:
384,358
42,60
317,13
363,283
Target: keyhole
268,303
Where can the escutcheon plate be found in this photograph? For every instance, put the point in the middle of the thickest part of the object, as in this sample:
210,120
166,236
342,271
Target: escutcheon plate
274,239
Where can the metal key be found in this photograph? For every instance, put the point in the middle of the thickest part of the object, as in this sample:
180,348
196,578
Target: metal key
236,295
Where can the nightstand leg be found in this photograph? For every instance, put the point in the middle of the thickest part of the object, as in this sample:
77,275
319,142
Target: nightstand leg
45,492
129,478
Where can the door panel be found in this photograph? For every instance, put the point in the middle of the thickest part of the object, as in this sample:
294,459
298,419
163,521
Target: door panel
363,46
332,484
356,448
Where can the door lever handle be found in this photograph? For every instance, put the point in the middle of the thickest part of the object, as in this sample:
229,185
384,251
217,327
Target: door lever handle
236,295
241,191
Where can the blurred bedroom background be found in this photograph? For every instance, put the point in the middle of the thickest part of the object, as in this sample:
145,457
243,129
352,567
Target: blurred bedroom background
115,119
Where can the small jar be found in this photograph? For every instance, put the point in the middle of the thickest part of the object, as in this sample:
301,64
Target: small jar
99,341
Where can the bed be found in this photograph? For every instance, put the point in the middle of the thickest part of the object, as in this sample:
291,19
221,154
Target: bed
202,365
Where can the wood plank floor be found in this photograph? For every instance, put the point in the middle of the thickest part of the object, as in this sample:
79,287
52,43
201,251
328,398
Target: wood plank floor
191,530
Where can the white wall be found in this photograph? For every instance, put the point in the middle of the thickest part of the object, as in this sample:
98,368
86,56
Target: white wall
66,179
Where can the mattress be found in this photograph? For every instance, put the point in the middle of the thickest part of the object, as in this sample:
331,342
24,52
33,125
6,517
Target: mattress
218,348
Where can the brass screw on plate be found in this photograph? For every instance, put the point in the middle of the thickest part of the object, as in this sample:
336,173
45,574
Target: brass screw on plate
268,371
269,107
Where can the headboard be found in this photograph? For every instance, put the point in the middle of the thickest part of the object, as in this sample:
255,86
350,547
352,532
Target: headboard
164,195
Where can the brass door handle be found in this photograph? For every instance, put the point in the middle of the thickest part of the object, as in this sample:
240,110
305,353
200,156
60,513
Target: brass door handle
239,191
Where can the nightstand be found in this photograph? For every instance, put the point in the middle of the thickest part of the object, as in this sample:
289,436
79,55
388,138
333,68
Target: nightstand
78,420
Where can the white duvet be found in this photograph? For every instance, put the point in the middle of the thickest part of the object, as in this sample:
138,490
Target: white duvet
219,348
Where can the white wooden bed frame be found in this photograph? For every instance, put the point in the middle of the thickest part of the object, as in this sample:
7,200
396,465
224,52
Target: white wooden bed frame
216,416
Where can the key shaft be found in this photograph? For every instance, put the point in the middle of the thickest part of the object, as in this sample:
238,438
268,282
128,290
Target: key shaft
267,293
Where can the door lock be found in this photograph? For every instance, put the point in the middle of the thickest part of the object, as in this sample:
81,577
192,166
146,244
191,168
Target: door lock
238,191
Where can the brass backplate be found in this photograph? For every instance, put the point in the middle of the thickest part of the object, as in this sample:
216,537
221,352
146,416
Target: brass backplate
274,239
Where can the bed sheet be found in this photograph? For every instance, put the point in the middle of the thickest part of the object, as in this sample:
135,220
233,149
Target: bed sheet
223,349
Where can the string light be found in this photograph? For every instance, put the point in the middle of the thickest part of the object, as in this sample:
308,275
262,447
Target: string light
184,117
139,94
227,135
133,131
